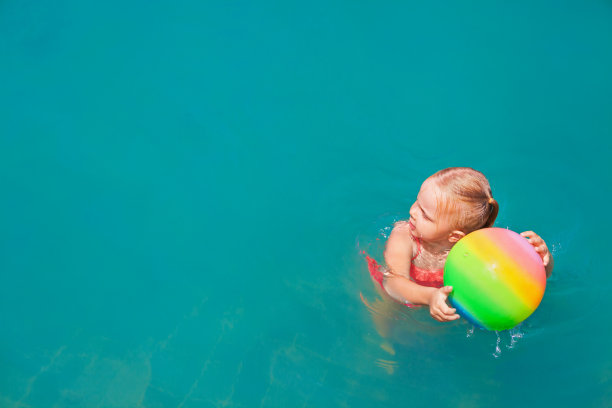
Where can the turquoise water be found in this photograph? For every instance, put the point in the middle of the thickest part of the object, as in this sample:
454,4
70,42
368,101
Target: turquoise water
187,187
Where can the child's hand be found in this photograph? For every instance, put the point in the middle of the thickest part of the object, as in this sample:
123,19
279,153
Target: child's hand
438,308
539,245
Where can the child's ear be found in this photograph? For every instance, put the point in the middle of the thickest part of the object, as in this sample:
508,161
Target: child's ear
455,236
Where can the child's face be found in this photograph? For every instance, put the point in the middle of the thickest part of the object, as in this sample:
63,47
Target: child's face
424,222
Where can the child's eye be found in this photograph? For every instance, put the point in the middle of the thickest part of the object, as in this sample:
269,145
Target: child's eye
425,215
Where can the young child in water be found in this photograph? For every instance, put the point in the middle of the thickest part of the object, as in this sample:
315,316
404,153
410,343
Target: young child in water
451,203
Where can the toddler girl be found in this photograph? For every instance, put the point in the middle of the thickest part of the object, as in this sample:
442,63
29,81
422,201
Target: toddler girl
451,203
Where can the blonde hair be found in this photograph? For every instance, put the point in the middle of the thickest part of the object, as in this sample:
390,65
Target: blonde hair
466,198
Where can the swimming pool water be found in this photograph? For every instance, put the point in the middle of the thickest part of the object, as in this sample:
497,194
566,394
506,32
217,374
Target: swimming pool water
188,186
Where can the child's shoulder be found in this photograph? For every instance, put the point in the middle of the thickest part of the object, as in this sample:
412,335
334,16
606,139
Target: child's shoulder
401,237
399,249
402,228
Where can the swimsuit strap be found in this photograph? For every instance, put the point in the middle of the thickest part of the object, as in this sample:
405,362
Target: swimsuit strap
418,241
425,277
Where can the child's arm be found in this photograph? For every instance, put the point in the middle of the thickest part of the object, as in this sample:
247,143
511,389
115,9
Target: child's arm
398,254
542,250
398,250
403,290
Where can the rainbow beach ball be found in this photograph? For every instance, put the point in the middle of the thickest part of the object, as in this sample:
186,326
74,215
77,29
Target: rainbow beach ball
498,278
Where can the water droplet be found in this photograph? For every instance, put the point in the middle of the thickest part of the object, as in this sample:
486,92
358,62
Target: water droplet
497,352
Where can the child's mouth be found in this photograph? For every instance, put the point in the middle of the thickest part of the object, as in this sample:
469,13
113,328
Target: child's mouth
411,225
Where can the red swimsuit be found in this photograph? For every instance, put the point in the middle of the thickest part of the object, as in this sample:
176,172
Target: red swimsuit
425,277
418,275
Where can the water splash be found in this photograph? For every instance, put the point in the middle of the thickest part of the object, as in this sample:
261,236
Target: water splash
385,232
504,340
515,335
497,352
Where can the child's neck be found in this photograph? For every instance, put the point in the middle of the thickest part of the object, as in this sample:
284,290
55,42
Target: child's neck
437,247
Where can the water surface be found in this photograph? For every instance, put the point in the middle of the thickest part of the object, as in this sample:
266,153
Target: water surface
188,186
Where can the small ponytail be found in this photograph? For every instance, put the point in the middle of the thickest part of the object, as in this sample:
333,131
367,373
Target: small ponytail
493,210
466,198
